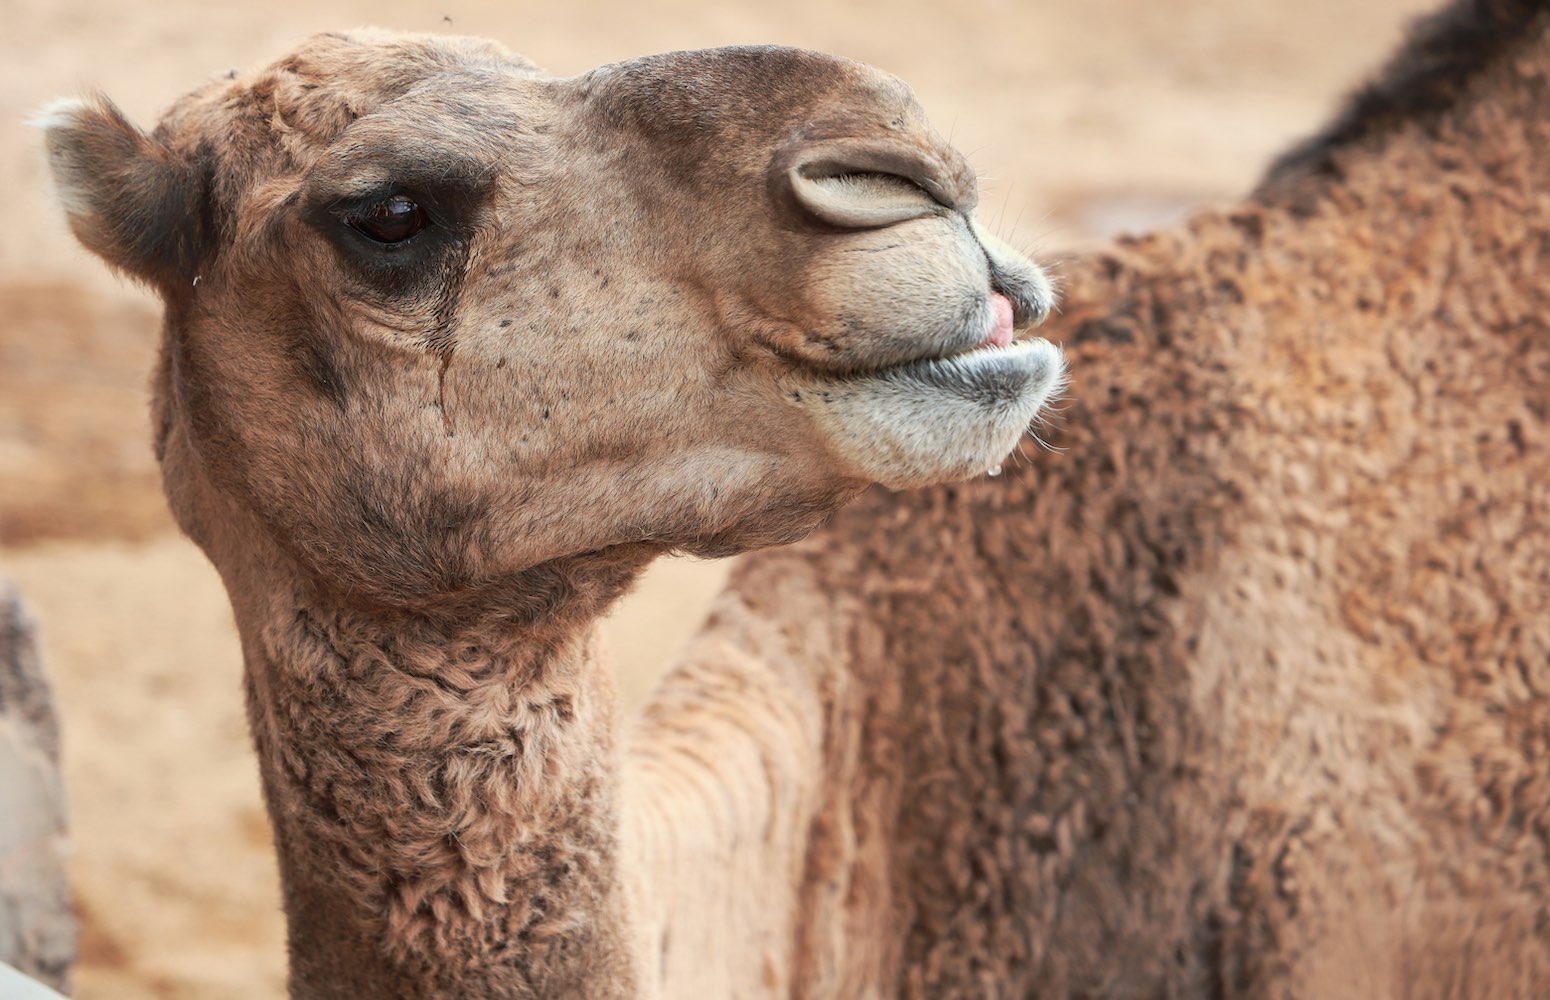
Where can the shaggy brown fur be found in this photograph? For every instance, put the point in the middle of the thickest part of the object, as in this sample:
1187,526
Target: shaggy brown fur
1247,691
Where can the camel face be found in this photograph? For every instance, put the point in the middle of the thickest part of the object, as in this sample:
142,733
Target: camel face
436,316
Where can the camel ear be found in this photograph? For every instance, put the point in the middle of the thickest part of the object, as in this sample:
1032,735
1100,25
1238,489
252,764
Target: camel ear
129,199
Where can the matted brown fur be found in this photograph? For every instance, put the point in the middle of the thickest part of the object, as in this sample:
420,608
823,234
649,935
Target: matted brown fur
1244,692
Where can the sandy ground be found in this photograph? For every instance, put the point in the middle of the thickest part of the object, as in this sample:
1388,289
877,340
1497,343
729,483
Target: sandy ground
1084,118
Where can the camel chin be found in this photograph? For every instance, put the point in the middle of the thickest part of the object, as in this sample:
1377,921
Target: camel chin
937,419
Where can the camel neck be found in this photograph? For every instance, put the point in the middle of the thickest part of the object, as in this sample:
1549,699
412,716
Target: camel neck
442,796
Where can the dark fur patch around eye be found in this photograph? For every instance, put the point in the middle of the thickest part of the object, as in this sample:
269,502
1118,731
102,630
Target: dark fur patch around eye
410,266
451,194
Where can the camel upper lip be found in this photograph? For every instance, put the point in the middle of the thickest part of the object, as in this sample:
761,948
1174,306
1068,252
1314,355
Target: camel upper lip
966,341
967,334
1028,312
983,372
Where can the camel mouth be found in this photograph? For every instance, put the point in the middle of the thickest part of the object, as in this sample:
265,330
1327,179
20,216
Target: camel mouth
1003,379
935,419
996,321
995,373
1010,323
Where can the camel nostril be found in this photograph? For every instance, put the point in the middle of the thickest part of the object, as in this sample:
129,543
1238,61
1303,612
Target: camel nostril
862,199
864,183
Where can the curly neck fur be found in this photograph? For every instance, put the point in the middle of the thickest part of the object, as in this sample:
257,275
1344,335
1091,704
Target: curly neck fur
440,780
443,802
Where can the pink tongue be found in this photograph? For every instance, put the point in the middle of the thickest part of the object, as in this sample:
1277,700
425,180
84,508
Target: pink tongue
1002,334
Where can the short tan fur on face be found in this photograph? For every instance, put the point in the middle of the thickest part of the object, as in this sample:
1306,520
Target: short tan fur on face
630,319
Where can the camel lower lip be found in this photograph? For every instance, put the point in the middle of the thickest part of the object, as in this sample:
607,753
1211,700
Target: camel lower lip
990,374
936,419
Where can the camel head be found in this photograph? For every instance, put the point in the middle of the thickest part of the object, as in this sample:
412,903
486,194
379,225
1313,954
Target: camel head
435,316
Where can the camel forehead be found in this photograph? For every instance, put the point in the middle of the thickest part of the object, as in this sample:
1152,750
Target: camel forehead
326,83
391,61
334,79
754,77
359,72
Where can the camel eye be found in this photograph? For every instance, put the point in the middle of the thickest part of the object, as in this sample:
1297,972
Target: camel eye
391,220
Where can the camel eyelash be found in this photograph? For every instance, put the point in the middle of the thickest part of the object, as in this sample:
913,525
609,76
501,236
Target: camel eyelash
391,220
395,239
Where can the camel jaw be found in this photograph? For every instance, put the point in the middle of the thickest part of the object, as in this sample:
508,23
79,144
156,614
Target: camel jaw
937,419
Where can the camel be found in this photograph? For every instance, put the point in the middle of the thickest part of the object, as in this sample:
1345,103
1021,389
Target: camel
1245,692
1240,694
453,348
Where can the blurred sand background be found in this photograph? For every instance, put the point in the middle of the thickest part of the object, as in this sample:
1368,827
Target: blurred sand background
1084,118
